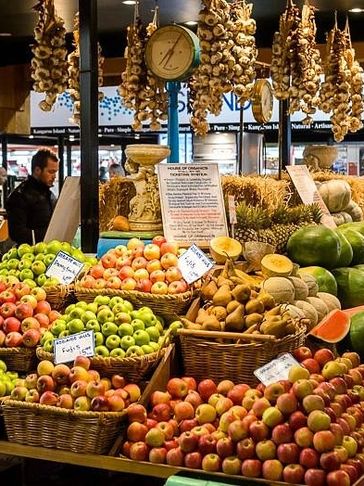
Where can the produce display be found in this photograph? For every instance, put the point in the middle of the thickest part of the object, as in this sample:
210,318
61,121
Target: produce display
151,268
119,330
29,263
79,388
7,379
304,430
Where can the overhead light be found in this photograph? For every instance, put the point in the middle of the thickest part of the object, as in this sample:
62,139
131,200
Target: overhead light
129,2
112,145
31,136
72,137
356,10
5,34
137,136
99,135
191,22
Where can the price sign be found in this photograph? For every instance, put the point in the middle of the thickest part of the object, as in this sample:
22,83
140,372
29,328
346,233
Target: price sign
65,268
194,264
68,348
276,370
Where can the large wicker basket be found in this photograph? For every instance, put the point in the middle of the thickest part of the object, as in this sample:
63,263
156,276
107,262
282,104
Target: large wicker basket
209,358
47,426
59,296
168,306
19,359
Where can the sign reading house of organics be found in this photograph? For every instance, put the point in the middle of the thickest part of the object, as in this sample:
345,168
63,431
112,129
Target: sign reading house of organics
192,203
308,192
276,370
68,348
65,268
193,264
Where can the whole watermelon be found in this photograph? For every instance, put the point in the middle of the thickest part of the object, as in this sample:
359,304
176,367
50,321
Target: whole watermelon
357,226
315,246
346,252
325,280
357,333
356,241
350,286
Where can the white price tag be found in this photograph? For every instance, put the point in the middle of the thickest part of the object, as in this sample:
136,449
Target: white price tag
194,264
276,370
65,268
232,210
68,348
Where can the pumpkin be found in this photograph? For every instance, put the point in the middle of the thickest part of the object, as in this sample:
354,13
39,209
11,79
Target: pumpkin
336,195
355,211
342,217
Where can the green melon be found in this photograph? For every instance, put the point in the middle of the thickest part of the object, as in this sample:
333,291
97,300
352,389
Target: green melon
315,245
325,280
357,333
357,226
356,241
346,252
350,286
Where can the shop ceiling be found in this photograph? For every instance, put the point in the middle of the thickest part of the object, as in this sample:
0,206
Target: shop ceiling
18,19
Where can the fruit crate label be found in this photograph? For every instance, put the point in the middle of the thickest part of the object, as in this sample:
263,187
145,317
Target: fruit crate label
65,268
308,192
68,348
276,370
194,264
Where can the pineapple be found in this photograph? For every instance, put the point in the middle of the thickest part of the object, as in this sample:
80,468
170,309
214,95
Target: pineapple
253,225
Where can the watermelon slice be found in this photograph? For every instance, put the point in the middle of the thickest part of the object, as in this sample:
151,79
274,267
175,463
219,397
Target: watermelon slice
354,310
333,328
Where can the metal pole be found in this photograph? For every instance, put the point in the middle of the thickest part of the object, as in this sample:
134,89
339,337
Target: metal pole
241,139
173,89
61,163
69,157
89,125
284,137
4,151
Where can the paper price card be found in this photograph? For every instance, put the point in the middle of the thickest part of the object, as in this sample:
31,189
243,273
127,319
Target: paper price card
194,264
68,348
276,370
65,268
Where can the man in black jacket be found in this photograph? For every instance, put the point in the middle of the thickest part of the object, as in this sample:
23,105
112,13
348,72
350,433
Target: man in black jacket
30,205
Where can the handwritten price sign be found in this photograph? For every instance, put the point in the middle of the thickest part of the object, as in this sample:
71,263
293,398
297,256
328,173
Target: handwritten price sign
65,268
276,370
194,264
68,348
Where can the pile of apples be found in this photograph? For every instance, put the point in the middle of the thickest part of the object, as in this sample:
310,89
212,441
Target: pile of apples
7,379
149,268
25,315
29,263
79,388
304,430
119,330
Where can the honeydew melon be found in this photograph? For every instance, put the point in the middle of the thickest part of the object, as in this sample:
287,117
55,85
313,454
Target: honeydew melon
223,248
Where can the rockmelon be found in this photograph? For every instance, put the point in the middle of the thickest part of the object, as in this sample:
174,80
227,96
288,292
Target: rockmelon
311,283
336,195
309,311
355,211
330,300
276,266
320,306
224,247
342,218
301,291
294,312
333,328
280,288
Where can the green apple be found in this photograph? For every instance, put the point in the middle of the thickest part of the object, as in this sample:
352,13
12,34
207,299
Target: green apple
93,325
76,313
141,337
159,327
117,353
3,265
122,317
41,279
78,255
64,333
10,385
120,307
129,306
112,341
75,326
92,261
162,341
25,263
147,349
12,375
40,257
125,330
67,318
102,351
149,320
13,272
134,351
3,389
12,253
154,345
51,282
99,338
66,247
48,259
26,274
3,366
82,304
28,256
116,300
161,320
174,326
38,268
153,332
40,247
13,264
6,257
58,326
88,316
92,307
11,280
138,324
105,315
48,346
70,308
4,272
53,247
109,328
47,335
126,342
102,299
24,248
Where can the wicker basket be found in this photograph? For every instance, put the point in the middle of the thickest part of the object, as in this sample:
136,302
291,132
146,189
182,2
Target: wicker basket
168,306
19,359
207,358
59,296
47,426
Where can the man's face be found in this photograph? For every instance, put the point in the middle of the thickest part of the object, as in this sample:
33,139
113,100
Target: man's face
48,174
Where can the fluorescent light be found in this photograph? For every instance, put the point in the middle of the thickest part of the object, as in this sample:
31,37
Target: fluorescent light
356,10
112,145
31,136
129,2
5,34
191,22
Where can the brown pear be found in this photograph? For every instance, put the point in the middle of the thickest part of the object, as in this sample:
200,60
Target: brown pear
201,316
267,299
241,293
232,306
254,306
235,321
194,327
222,296
224,281
219,312
211,324
209,290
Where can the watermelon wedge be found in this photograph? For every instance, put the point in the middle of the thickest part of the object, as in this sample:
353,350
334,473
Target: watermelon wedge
333,328
354,310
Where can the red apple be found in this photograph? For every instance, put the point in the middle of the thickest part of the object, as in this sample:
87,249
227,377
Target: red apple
293,473
330,461
351,471
322,356
175,457
206,388
236,394
225,447
338,478
188,441
187,425
13,340
309,458
11,324
297,420
287,403
282,433
251,468
139,451
177,388
207,445
211,463
288,453
258,430
136,413
312,365
137,432
245,449
302,353
315,477
193,460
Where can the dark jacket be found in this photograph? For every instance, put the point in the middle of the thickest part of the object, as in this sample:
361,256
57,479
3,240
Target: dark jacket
29,207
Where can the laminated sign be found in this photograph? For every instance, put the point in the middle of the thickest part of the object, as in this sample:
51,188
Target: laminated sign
68,348
276,370
65,268
194,264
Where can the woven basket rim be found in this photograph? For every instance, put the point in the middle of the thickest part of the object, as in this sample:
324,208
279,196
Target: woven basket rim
18,350
8,402
135,293
56,288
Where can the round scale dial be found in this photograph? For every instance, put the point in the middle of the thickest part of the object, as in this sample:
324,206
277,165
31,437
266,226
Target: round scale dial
262,101
172,52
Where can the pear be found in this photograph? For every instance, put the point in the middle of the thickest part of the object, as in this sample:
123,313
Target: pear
253,319
232,306
193,326
254,306
224,281
201,316
235,320
211,324
241,293
267,300
219,312
222,296
209,290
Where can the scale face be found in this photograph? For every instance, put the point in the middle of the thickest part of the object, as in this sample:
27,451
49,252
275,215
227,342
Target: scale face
172,53
262,101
